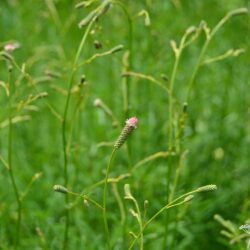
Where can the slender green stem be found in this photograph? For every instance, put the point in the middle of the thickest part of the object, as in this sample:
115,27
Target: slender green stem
209,37
126,80
161,154
10,168
64,131
160,211
120,202
87,198
196,68
54,14
167,219
171,137
177,174
171,101
177,52
126,89
137,214
105,220
139,218
145,77
5,164
32,82
170,205
122,211
172,193
140,224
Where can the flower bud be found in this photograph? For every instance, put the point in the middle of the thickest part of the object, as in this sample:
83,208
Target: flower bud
206,188
60,189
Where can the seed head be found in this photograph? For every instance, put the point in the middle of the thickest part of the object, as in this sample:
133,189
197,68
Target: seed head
60,189
97,102
127,192
127,130
245,228
206,188
188,198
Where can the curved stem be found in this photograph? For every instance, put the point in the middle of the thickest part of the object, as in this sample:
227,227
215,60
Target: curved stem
64,132
140,223
105,199
170,205
138,217
120,202
208,40
87,198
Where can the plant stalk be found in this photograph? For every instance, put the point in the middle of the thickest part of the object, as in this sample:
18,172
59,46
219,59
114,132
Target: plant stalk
10,167
64,129
105,220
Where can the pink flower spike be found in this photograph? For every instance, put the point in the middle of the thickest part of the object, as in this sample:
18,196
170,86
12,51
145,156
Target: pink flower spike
127,130
132,122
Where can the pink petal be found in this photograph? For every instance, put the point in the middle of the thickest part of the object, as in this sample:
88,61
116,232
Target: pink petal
132,121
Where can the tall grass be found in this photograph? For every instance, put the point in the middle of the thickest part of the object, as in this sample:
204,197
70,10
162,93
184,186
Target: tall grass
186,135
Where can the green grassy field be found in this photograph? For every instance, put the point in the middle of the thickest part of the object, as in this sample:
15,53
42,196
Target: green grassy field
65,94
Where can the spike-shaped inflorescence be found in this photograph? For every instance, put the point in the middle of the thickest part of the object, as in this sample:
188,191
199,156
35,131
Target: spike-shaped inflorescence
127,130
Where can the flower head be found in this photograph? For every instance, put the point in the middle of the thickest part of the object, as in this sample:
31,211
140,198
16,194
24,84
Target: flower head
127,130
10,47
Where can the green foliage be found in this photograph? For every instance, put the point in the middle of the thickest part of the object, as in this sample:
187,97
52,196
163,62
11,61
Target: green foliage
180,67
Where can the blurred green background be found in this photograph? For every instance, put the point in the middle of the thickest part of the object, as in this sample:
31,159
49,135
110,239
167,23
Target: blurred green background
216,136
